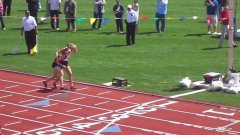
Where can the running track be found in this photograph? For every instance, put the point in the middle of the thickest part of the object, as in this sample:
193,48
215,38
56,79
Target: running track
27,108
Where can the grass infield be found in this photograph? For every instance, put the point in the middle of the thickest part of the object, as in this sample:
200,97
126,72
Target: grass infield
155,64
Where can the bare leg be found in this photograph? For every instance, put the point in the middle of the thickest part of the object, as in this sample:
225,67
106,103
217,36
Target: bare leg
70,76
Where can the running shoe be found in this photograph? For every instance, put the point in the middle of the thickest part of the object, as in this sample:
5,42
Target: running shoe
45,84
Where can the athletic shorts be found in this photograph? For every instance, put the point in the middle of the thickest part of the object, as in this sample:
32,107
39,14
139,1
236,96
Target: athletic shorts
212,20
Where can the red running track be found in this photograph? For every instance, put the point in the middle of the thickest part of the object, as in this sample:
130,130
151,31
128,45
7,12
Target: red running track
27,108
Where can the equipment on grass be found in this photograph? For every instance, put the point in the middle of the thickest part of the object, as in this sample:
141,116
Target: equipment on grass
119,81
212,76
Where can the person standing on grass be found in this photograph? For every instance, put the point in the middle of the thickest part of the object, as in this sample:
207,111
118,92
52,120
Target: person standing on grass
131,21
33,8
212,15
30,29
54,7
98,13
136,8
1,15
70,12
7,4
118,12
161,14
225,26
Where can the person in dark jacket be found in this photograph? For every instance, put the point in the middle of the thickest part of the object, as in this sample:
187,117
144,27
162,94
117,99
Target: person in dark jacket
118,12
33,8
7,7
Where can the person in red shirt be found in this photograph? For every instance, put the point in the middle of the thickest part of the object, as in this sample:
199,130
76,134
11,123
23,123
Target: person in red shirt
225,14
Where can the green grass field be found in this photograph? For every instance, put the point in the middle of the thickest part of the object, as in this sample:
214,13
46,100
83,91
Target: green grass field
155,64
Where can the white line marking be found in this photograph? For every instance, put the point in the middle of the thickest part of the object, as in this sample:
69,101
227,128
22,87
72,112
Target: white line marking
102,103
16,132
19,111
122,116
104,93
44,116
78,98
82,89
13,123
11,87
26,101
6,96
216,112
128,97
31,90
188,93
68,92
2,106
74,110
20,118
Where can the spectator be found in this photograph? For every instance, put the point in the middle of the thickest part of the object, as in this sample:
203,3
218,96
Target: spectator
29,27
54,7
7,7
221,5
118,12
136,8
98,13
70,13
33,8
131,21
212,13
1,15
225,26
161,14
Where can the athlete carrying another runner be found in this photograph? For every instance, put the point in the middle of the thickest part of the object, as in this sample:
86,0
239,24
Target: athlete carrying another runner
60,63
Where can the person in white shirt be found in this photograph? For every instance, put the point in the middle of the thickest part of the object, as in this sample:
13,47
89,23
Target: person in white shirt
54,7
29,27
136,7
98,13
131,25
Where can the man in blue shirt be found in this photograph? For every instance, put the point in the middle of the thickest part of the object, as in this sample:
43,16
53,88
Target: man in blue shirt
212,13
161,14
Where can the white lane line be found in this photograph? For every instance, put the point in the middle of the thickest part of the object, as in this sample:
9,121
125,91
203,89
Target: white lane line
2,106
147,103
38,81
44,116
104,93
128,97
13,123
6,96
74,110
50,105
19,111
82,89
26,100
31,90
59,101
40,87
188,93
39,109
11,87
102,103
77,98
